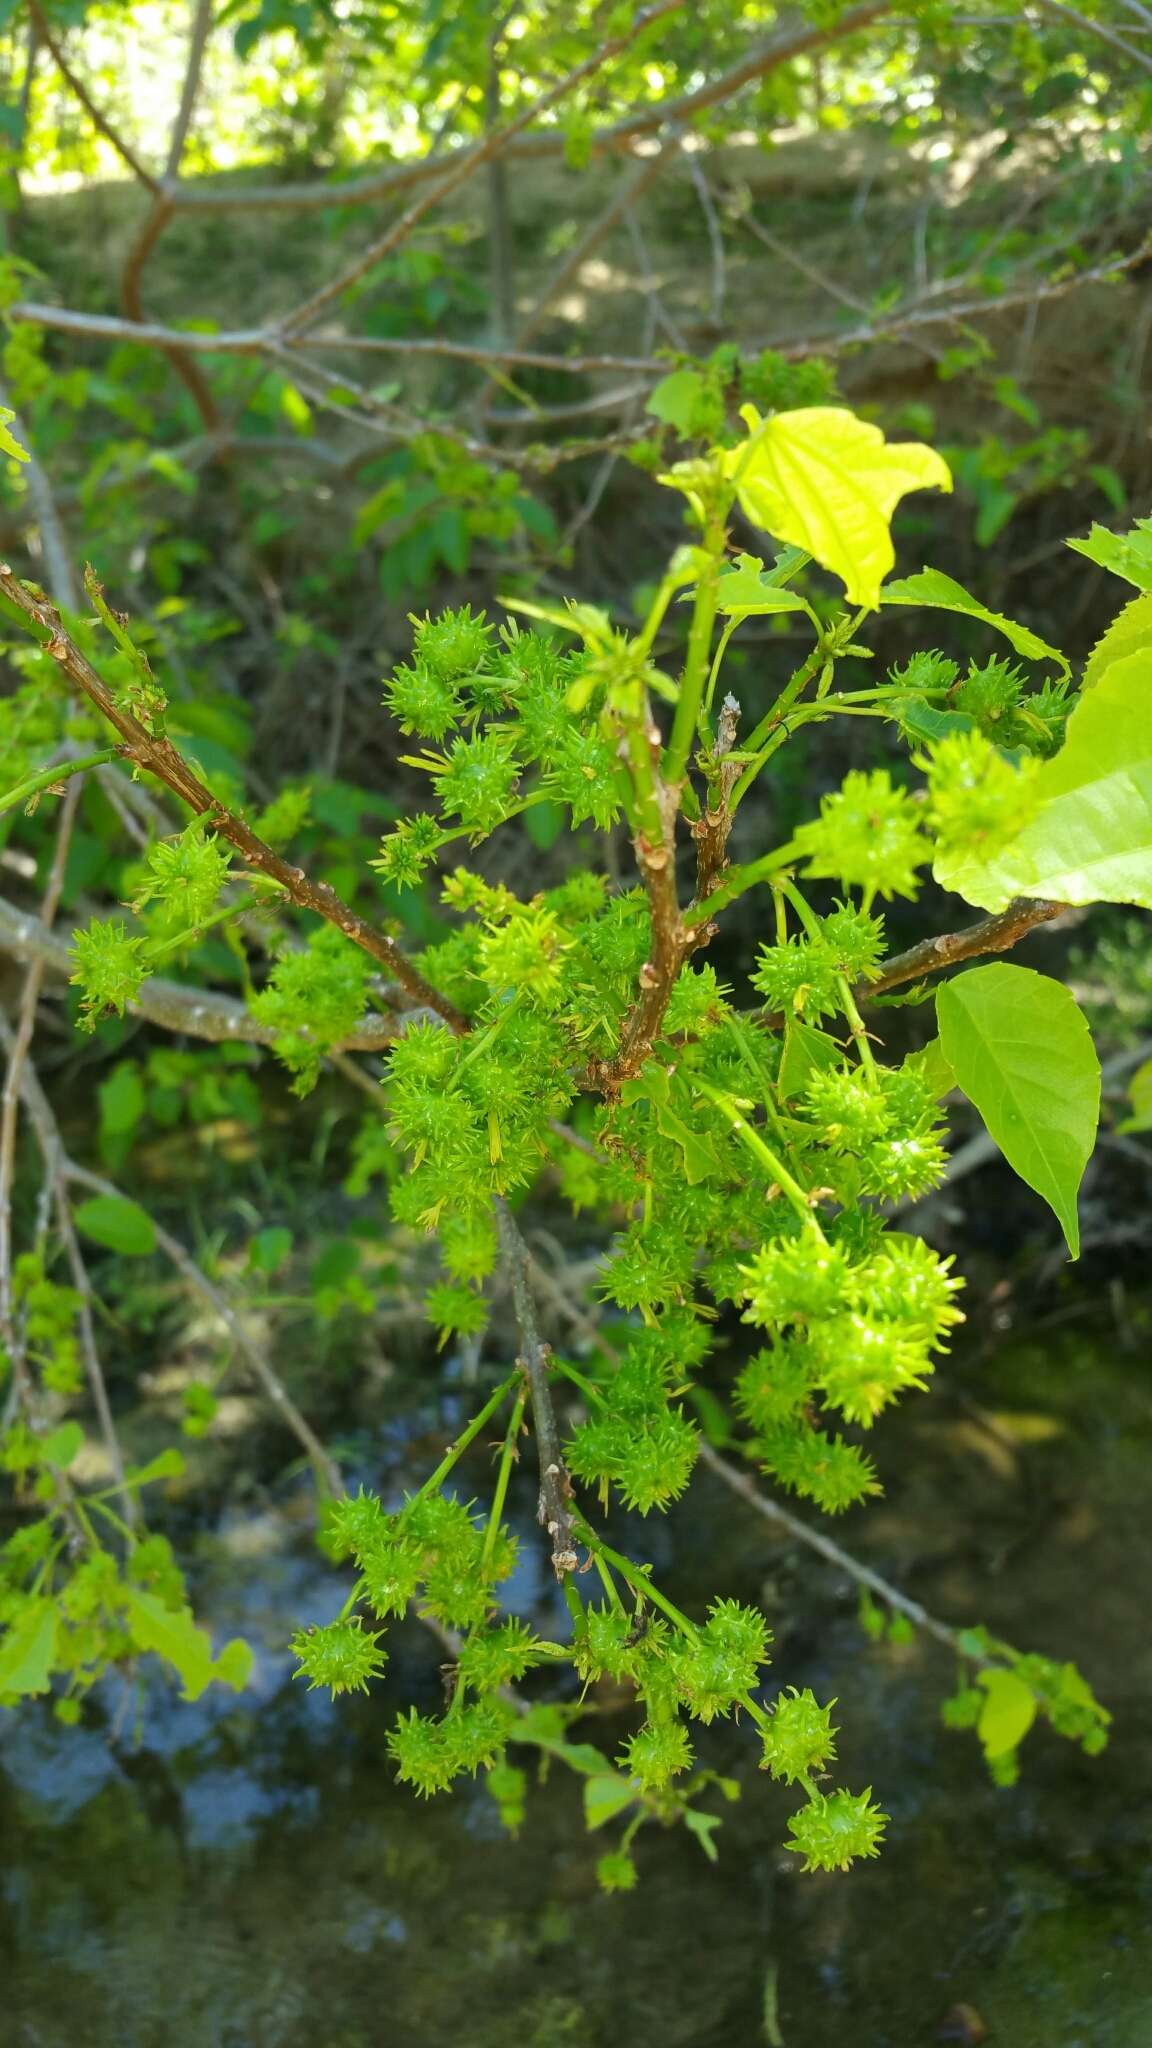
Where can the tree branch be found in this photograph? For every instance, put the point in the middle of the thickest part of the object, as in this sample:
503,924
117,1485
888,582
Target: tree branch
197,1013
554,1510
814,1539
992,935
157,754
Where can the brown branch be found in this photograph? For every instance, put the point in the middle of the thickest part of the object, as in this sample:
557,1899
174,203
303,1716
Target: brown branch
19,1046
712,828
992,935
771,1511
254,341
257,341
80,92
554,1509
493,144
154,752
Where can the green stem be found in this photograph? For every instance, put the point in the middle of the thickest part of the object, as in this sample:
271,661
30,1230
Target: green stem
697,663
468,1436
50,778
639,1581
856,1025
500,1490
801,906
718,660
755,1143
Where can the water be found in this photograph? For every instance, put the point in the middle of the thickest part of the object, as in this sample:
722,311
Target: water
246,1873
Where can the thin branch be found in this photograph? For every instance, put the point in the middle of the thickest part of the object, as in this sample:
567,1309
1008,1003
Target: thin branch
494,144
254,341
14,1081
189,92
992,935
554,1509
157,754
194,1012
80,92
259,1364
164,206
814,1539
1095,28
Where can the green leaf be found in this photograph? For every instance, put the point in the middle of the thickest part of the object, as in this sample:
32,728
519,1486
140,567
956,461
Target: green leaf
703,1826
1020,1049
167,1464
1090,839
122,1100
605,1796
676,398
1140,1096
1129,633
828,482
1126,554
121,1225
173,1634
940,593
1007,1713
62,1446
8,444
749,589
28,1649
269,1249
806,1052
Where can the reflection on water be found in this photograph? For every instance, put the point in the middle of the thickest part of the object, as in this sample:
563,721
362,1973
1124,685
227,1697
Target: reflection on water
246,1874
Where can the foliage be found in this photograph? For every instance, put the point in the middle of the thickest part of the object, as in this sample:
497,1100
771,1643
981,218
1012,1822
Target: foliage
743,1157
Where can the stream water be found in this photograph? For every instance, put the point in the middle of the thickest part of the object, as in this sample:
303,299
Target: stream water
245,1873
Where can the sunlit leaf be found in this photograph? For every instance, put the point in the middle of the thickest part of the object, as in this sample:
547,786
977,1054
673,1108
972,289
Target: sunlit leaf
1090,839
829,482
1007,1714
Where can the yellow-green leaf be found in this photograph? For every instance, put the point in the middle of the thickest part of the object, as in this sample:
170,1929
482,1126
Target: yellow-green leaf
28,1649
1129,633
9,445
828,482
1090,838
1007,1714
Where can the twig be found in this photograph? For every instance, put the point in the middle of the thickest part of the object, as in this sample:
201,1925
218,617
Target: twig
992,935
493,144
262,1368
157,754
80,92
163,208
1095,28
554,1509
14,1080
814,1539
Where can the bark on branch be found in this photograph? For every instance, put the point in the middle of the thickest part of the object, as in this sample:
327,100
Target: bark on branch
154,752
555,1511
992,935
